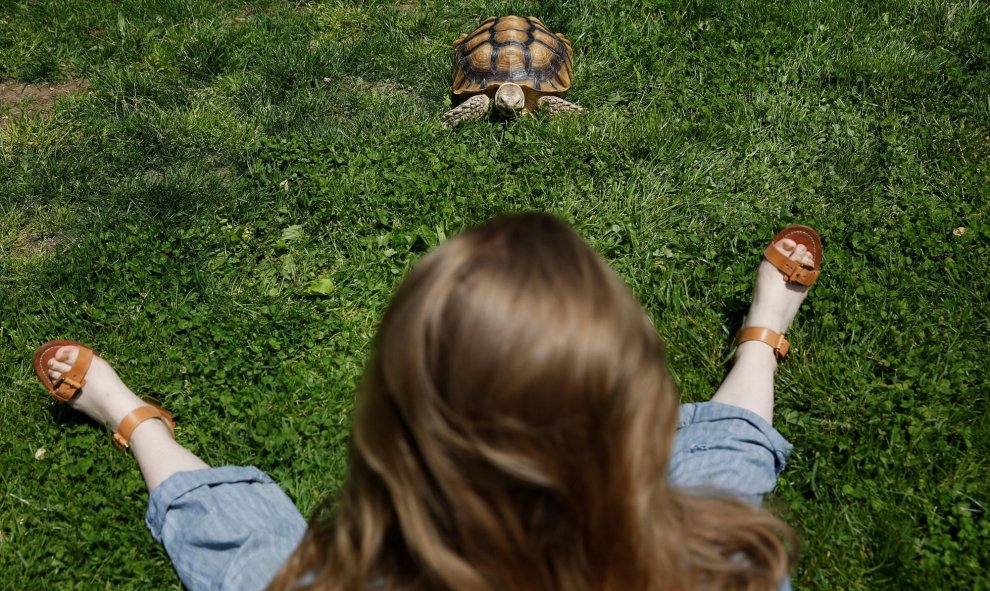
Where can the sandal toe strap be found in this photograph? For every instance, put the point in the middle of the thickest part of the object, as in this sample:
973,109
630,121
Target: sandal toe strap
794,272
71,381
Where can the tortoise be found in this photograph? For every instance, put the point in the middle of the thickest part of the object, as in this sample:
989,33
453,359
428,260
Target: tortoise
515,62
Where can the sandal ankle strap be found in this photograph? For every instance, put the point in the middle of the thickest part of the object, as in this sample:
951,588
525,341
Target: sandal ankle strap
776,340
122,438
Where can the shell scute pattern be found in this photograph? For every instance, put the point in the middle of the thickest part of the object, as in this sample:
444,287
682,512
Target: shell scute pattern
512,49
472,43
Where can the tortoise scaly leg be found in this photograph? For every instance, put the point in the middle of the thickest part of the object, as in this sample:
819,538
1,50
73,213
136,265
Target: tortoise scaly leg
555,105
474,108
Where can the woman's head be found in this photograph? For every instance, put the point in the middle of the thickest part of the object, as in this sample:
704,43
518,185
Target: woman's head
513,427
517,385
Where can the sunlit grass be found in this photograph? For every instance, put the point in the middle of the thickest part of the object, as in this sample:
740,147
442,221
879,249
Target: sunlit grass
225,213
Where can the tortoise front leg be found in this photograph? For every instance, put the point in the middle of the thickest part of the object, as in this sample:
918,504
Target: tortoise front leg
474,108
556,106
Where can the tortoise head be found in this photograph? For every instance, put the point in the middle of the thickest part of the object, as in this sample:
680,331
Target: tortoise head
510,100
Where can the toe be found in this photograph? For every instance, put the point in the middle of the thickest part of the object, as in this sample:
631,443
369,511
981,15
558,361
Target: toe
786,246
68,354
56,369
803,255
59,366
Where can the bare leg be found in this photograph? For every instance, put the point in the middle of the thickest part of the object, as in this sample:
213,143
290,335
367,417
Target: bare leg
775,303
107,400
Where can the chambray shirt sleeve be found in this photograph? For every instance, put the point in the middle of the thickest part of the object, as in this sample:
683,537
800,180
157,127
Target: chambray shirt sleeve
228,528
232,528
726,449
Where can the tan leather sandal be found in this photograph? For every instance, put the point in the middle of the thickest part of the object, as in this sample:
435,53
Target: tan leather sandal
70,382
794,272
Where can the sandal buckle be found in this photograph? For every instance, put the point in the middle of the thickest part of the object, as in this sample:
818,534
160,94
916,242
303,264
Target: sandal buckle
121,443
71,382
781,348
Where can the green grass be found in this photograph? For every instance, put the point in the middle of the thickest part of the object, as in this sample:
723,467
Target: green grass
225,214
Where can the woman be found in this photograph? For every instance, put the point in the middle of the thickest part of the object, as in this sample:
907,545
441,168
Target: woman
516,428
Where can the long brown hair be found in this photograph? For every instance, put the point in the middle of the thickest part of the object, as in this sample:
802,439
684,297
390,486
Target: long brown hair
512,432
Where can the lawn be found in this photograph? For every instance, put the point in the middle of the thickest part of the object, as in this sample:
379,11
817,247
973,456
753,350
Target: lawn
221,196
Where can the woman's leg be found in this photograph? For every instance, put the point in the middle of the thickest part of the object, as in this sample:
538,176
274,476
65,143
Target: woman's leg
775,303
106,399
223,528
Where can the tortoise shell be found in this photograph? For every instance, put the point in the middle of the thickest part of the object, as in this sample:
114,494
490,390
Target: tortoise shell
512,49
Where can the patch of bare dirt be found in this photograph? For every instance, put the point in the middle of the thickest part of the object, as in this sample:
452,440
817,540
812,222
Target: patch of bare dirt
30,244
18,98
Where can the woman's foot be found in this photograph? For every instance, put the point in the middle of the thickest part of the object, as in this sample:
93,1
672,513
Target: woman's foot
104,397
749,383
775,301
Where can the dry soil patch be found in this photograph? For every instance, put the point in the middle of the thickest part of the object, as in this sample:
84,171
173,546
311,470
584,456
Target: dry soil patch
31,244
17,98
